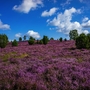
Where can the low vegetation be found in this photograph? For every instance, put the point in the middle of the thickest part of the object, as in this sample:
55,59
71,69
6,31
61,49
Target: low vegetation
46,65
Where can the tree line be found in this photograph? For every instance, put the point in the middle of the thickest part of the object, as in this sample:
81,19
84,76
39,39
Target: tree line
81,40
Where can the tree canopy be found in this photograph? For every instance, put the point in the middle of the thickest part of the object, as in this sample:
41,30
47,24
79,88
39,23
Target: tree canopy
73,34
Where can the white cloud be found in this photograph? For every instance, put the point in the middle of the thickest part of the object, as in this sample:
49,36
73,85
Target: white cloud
85,19
49,13
28,5
18,35
66,3
86,24
4,26
33,34
63,22
86,32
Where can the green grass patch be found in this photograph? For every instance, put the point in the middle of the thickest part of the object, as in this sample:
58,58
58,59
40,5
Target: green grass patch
23,55
79,60
6,56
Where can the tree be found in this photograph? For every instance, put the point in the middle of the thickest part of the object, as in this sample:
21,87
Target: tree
37,42
31,41
15,43
3,40
73,34
20,38
88,35
24,37
82,41
40,42
31,38
45,39
60,39
51,38
65,39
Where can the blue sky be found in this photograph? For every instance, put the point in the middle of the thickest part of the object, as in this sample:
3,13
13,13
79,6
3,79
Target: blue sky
54,18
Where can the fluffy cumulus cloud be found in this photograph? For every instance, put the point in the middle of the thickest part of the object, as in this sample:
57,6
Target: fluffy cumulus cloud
28,5
86,24
49,13
33,34
63,22
4,26
18,35
85,19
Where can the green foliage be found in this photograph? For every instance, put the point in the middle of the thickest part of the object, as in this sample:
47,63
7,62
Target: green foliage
31,38
24,37
37,42
45,40
88,35
3,40
15,43
65,39
51,38
40,42
20,38
82,41
60,39
31,41
73,34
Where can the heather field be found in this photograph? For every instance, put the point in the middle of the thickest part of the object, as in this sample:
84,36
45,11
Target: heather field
55,66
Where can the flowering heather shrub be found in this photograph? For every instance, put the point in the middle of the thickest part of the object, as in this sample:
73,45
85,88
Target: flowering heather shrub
54,66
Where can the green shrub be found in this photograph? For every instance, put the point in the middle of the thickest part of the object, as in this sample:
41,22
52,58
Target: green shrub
45,40
31,38
31,41
40,42
65,39
60,39
20,38
82,41
88,35
51,38
15,43
73,34
24,37
3,40
37,42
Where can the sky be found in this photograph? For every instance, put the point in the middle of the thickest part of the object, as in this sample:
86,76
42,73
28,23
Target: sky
53,18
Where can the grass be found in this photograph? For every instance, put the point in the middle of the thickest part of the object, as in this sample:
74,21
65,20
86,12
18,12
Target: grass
5,57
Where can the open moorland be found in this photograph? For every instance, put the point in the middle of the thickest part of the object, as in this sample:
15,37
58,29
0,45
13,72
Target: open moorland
55,66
